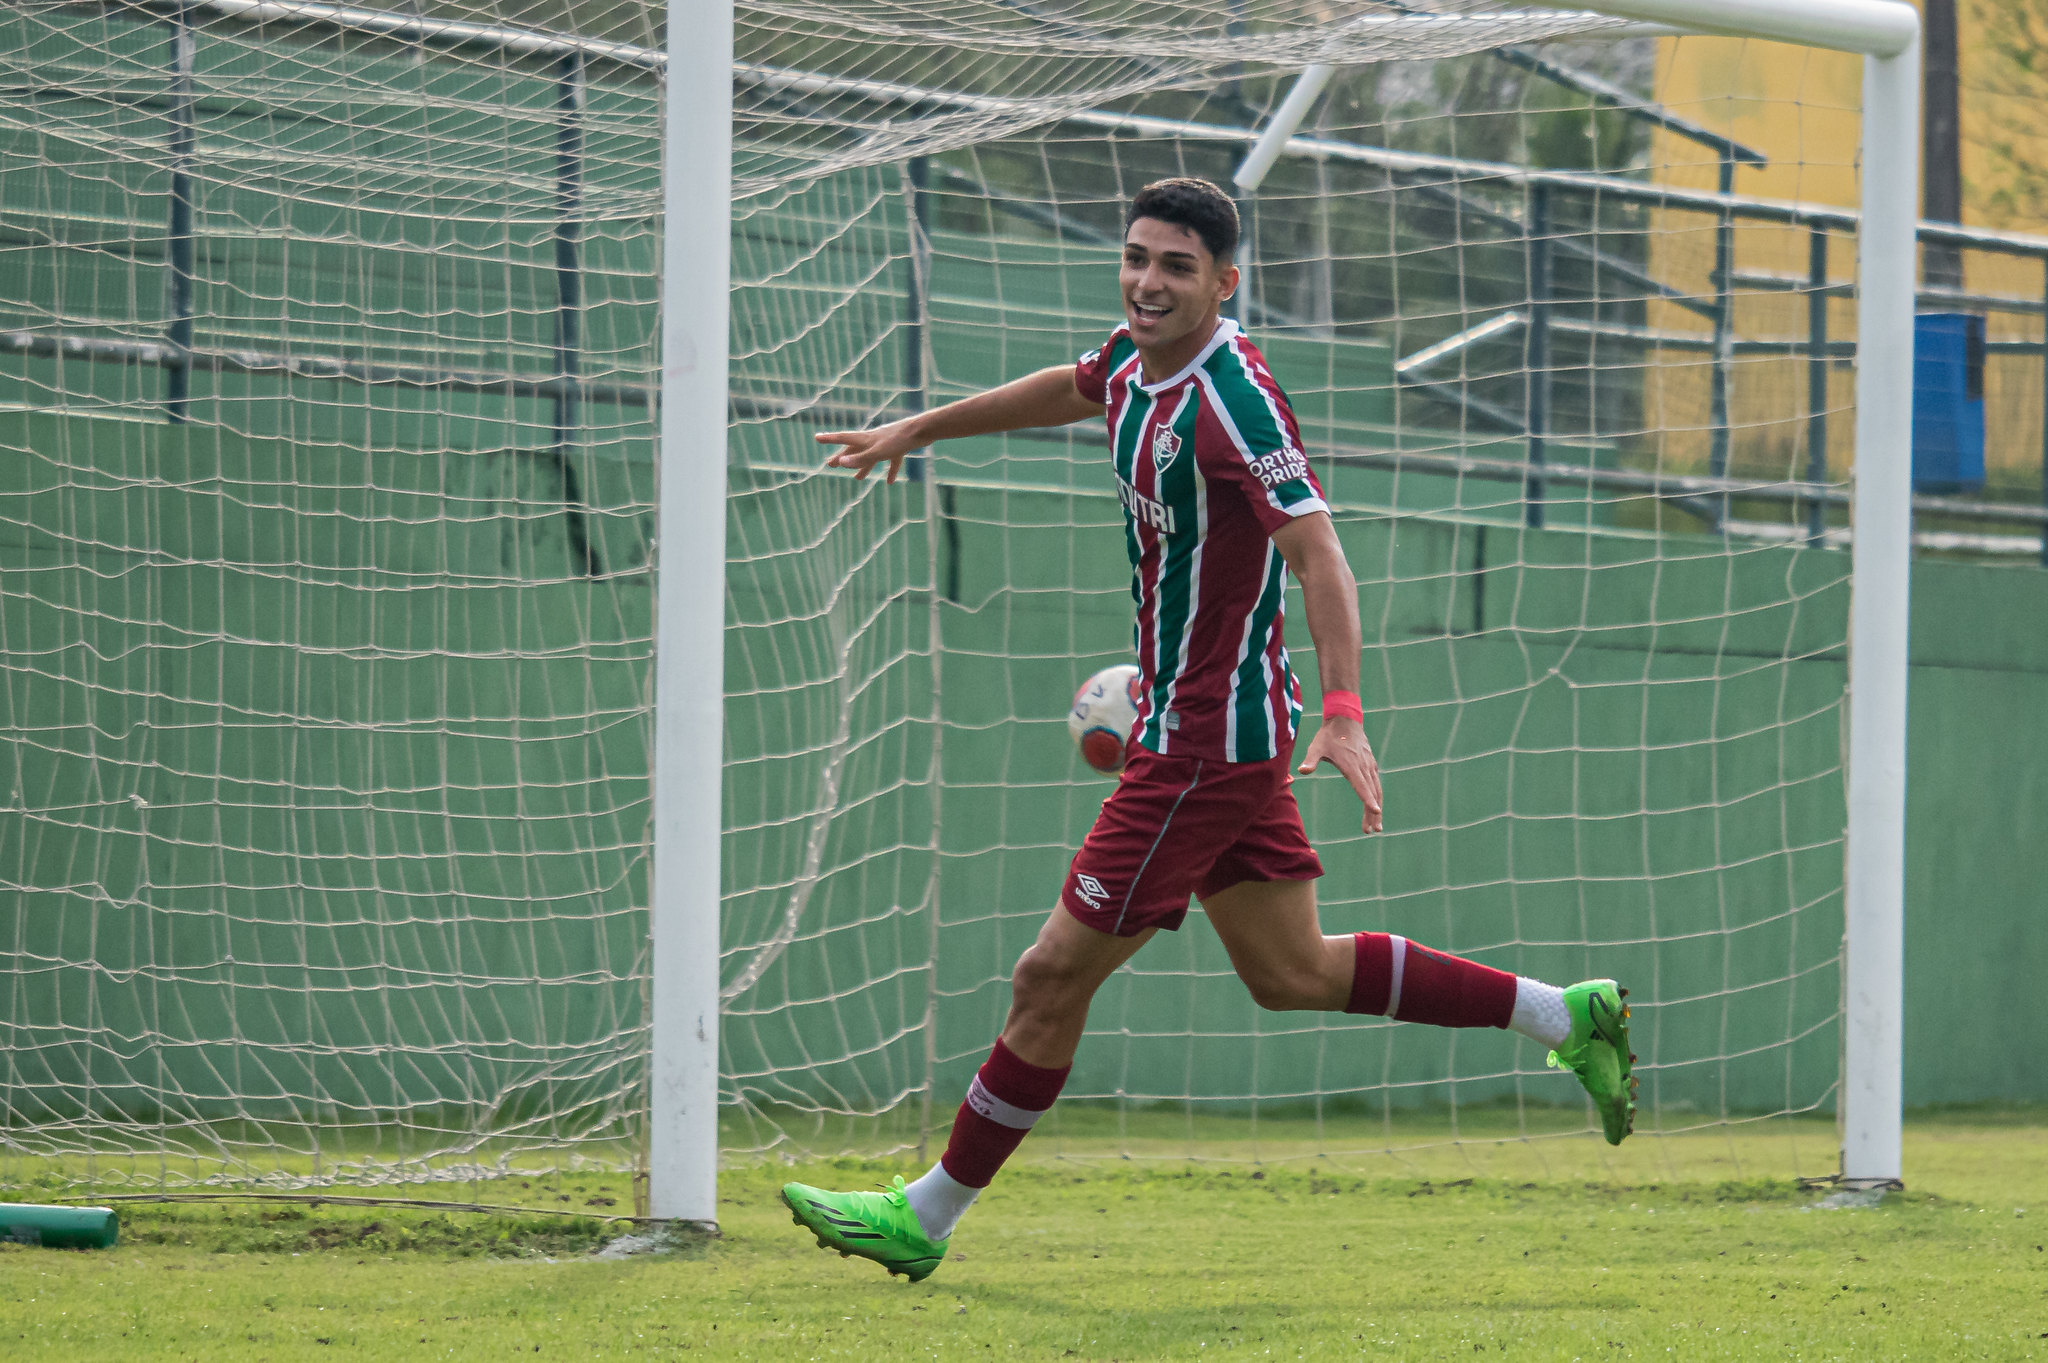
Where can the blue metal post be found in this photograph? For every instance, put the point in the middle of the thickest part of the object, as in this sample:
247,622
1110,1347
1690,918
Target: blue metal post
568,245
1536,367
1816,378
178,235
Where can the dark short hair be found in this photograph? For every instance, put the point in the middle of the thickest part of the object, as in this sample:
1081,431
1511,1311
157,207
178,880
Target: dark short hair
1197,205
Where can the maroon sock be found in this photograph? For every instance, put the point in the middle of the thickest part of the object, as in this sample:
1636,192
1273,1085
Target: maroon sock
1399,978
1007,1096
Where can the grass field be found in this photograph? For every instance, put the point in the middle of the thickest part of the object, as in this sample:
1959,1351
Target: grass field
1512,1251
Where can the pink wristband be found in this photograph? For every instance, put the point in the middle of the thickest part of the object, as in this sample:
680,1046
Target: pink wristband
1343,705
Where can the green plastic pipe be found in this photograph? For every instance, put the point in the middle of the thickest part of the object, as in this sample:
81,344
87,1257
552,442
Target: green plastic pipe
59,1227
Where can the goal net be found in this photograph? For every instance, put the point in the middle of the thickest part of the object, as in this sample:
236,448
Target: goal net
328,360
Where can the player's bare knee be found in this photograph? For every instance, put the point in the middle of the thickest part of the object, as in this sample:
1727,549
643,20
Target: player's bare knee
1045,982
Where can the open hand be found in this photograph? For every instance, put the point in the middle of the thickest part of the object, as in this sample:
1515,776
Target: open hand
1342,743
862,450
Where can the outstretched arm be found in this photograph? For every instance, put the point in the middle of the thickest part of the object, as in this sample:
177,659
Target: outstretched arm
1330,595
1047,398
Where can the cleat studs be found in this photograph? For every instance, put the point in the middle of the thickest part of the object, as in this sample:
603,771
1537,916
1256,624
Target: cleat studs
1623,992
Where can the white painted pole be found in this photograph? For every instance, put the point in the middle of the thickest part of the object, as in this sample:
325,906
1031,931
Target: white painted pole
1313,80
1286,119
689,614
1873,952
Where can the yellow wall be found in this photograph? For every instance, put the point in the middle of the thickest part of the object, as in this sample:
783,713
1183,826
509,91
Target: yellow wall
1801,107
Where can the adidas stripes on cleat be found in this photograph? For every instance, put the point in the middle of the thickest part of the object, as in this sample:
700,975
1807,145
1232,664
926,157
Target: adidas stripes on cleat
1598,1053
879,1226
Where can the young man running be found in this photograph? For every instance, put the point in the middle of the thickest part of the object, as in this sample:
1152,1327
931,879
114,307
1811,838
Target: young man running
1219,505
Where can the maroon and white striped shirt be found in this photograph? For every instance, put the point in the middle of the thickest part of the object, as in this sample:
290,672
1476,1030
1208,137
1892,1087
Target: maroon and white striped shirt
1208,464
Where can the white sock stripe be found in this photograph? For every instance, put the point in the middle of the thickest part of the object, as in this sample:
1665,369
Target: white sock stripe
1400,945
998,1111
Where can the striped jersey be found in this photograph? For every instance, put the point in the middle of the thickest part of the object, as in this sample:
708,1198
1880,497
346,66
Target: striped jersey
1208,465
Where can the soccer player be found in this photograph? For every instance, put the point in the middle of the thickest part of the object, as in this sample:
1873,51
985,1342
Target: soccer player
1219,506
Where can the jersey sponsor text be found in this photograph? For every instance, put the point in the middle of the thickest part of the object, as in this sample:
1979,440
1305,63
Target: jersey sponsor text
1149,511
1281,466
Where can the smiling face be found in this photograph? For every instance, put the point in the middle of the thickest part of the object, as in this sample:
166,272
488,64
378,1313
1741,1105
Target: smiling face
1173,291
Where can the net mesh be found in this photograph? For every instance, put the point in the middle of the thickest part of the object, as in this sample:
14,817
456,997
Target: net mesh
326,385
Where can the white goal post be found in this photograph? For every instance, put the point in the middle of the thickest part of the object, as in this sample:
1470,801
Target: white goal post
697,177
689,682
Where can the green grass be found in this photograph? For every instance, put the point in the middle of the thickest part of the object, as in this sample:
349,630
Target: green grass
1388,1256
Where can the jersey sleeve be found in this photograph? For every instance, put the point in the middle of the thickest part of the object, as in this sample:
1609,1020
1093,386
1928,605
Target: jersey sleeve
1092,371
1262,454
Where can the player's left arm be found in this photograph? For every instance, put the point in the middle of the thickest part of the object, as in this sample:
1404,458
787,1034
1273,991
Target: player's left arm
1330,595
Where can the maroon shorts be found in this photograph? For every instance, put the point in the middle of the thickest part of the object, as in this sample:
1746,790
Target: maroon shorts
1180,826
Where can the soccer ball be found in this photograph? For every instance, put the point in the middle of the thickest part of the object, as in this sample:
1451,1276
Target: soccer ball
1105,710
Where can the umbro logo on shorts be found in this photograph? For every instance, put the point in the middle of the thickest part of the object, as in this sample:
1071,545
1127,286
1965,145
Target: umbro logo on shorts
1090,889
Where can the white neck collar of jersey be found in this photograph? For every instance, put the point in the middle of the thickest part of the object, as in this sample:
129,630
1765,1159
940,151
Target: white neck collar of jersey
1225,329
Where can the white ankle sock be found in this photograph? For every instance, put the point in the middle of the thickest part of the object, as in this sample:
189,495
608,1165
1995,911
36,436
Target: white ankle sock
1540,1013
940,1200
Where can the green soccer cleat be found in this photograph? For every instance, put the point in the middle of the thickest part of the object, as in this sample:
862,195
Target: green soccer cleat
1598,1053
879,1226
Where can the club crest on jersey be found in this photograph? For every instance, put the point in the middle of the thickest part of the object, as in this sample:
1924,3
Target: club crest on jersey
1165,445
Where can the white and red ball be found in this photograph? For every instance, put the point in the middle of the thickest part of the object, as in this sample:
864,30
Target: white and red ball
1105,711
